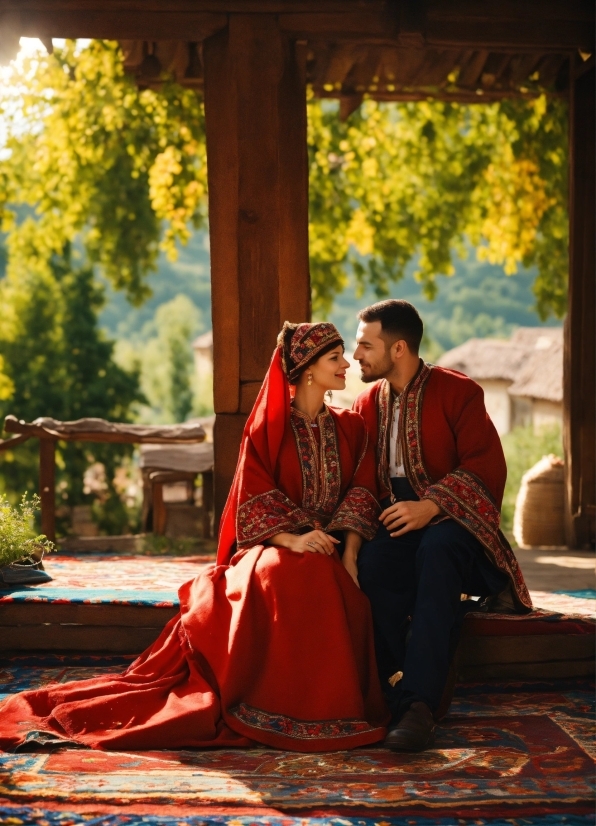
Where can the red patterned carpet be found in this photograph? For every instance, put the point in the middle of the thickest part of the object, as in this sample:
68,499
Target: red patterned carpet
507,753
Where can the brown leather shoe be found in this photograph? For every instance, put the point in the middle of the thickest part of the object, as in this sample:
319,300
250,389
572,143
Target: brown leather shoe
415,731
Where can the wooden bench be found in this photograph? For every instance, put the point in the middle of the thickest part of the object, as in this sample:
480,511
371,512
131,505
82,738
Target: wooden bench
49,431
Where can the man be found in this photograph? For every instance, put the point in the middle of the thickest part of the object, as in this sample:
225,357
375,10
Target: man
441,474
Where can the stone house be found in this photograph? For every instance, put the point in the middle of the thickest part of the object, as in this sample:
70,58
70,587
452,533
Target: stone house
522,377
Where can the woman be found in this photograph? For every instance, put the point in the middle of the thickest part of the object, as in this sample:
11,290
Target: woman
274,644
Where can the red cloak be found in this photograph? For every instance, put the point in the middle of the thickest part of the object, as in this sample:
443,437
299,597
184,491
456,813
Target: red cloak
452,455
270,646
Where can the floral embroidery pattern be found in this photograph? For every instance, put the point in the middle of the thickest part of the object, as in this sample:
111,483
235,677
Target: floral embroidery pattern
321,475
358,512
308,340
383,408
298,729
267,514
464,498
459,494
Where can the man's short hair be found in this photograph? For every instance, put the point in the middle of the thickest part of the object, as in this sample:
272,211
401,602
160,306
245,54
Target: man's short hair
399,320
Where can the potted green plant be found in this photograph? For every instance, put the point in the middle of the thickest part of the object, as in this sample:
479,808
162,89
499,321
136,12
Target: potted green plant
21,549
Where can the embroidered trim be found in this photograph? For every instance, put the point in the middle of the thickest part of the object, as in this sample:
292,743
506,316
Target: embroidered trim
460,494
384,405
465,499
298,729
321,475
308,340
410,423
358,512
265,515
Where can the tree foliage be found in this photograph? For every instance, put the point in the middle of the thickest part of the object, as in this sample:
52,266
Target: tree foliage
100,162
57,363
399,180
163,352
116,168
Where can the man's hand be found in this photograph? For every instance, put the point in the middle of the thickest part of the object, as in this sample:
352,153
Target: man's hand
408,516
314,542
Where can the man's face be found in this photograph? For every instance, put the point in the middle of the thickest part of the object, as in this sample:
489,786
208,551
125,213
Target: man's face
372,352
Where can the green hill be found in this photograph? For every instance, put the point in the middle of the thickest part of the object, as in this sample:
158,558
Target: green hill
479,300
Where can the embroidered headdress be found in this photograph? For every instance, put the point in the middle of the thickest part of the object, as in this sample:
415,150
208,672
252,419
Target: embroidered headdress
308,341
264,429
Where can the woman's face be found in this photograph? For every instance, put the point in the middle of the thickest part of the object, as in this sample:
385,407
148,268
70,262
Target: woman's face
328,371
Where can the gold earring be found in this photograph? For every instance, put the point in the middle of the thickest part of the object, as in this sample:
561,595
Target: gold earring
309,382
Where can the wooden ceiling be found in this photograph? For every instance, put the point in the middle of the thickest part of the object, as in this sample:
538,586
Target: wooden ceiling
350,71
467,50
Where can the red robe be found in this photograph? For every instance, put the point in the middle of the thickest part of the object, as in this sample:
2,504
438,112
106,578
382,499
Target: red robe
270,646
452,455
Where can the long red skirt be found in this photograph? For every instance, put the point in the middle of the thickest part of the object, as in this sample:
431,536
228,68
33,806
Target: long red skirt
274,649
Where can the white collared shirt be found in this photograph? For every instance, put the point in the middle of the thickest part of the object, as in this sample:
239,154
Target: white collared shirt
394,468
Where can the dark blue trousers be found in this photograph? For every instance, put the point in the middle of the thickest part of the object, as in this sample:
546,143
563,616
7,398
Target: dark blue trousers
414,583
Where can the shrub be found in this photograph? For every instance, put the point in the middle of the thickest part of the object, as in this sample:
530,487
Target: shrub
17,536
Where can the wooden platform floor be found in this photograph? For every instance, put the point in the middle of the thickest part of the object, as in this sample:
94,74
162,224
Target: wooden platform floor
119,604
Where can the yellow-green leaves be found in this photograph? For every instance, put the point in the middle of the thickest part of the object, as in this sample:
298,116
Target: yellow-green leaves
420,179
119,172
101,163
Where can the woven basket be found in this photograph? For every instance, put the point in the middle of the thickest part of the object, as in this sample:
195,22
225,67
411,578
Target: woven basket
539,518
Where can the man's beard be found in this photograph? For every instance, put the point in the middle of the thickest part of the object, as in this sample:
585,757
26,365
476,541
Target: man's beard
381,371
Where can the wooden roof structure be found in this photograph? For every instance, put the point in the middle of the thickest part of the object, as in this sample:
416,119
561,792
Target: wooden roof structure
463,50
389,72
253,60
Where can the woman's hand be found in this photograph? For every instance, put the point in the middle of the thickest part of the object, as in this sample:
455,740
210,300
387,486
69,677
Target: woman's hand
314,542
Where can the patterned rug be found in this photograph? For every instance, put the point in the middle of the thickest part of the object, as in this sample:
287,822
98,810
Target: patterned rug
511,753
133,580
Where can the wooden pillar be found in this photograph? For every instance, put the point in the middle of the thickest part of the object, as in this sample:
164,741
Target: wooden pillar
47,487
580,339
255,108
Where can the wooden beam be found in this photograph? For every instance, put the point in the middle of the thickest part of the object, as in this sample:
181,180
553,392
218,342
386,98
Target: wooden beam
340,61
203,6
579,370
47,487
119,25
532,10
366,26
471,69
545,35
100,430
9,444
364,71
459,96
553,25
70,613
49,637
255,108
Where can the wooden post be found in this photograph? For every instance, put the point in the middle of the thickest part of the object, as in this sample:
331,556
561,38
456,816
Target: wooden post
580,339
255,107
207,502
47,487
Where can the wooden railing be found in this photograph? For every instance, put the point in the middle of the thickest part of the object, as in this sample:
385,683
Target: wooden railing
49,431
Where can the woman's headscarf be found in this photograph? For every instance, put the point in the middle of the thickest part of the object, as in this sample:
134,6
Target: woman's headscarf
267,422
